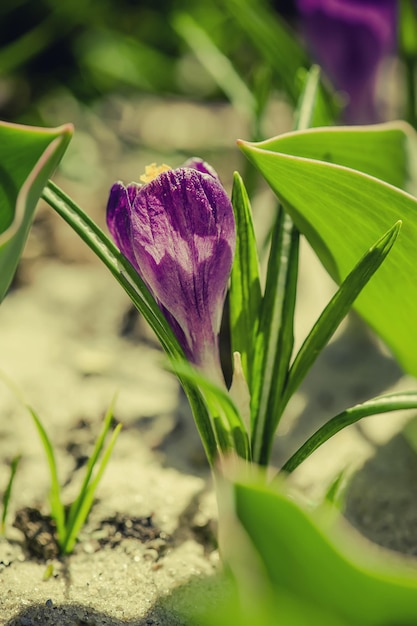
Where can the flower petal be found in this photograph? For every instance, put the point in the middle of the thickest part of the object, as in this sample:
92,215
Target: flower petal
198,164
179,233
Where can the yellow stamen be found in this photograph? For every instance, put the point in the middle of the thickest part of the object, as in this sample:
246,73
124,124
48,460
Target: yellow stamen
153,170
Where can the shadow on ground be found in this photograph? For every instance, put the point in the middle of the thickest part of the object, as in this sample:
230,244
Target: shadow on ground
381,499
173,609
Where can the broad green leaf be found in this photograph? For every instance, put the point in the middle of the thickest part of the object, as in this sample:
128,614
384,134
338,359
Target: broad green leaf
245,287
342,212
336,310
381,404
28,157
381,150
303,555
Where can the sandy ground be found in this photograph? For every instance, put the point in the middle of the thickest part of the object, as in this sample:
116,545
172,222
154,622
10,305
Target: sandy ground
67,340
61,343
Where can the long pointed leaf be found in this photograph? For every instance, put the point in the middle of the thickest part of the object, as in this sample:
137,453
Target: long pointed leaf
100,441
245,288
275,338
88,495
382,404
337,309
57,508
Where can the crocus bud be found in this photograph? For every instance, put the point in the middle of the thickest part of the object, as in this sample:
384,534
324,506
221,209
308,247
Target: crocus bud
178,231
349,39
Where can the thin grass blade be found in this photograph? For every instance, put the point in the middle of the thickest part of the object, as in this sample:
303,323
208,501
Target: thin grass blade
57,508
76,505
337,309
88,498
8,492
272,38
381,404
217,64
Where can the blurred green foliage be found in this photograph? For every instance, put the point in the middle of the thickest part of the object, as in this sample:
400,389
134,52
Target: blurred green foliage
95,47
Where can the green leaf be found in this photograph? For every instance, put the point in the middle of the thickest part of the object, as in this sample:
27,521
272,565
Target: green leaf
245,288
332,572
229,426
381,404
271,36
89,488
342,212
28,157
75,520
275,338
407,31
337,309
216,63
274,341
57,508
8,492
280,51
381,150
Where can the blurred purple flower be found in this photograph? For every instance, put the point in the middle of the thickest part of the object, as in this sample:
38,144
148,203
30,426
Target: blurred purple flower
178,231
349,39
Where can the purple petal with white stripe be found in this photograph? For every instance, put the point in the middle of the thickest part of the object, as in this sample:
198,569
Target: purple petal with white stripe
178,231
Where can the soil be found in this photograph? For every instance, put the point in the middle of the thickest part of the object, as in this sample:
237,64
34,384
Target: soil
70,341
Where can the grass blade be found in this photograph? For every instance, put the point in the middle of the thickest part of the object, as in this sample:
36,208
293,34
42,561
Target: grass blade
8,492
76,505
381,404
57,508
217,64
337,309
87,499
272,38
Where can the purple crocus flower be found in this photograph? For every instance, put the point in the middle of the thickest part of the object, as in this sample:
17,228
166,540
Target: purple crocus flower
349,39
178,231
